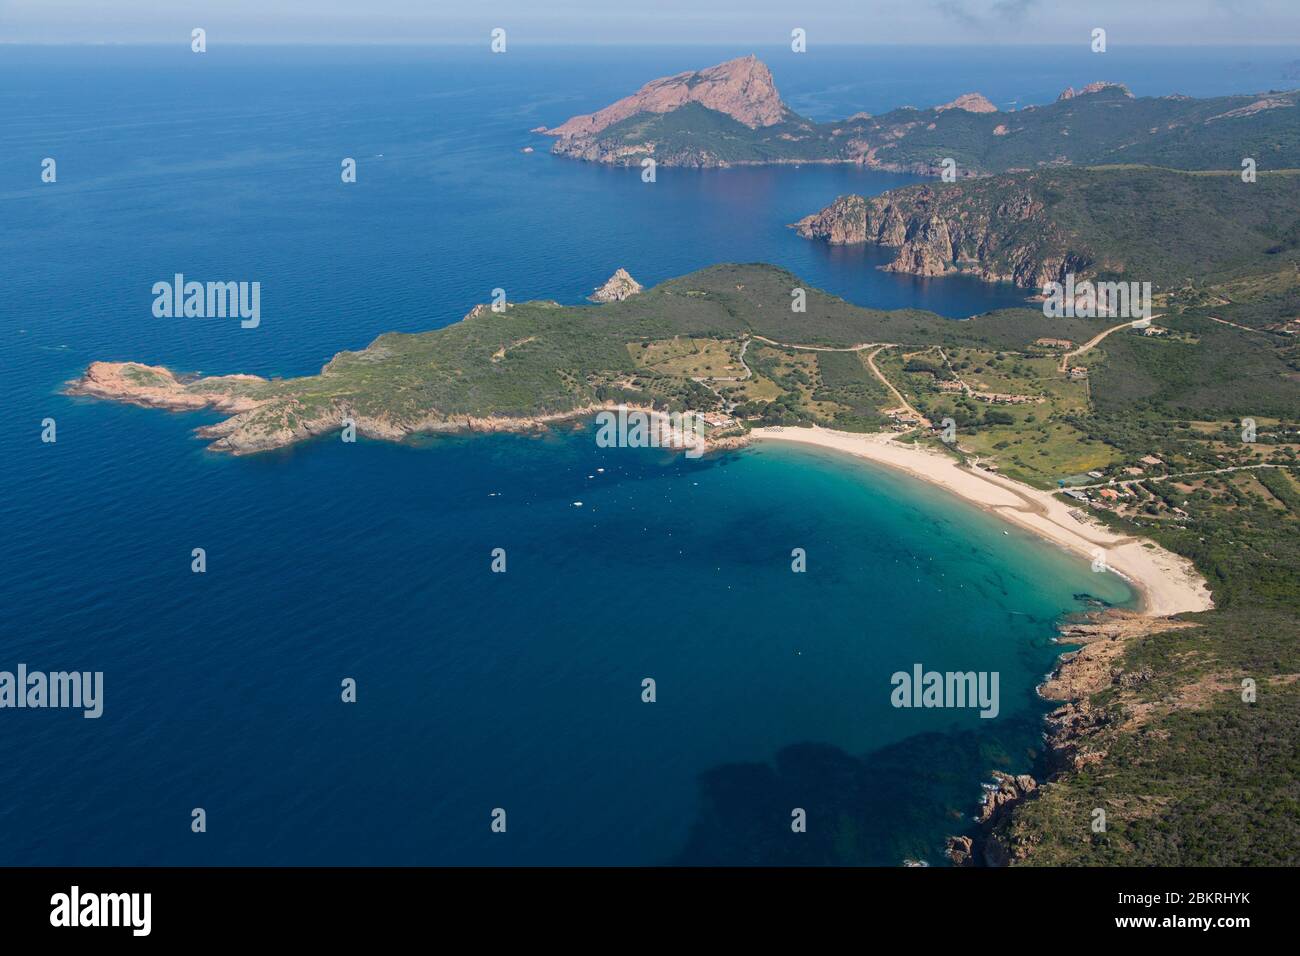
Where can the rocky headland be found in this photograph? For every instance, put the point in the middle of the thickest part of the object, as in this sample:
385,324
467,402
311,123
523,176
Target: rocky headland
521,367
742,89
1041,226
997,235
266,422
1077,732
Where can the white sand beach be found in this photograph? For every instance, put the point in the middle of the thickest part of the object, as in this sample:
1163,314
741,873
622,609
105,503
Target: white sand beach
1166,583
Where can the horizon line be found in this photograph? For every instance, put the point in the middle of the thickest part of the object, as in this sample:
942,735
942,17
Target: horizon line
183,41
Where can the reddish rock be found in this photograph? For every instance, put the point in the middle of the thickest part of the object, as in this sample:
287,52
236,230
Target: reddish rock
742,89
971,103
616,288
961,850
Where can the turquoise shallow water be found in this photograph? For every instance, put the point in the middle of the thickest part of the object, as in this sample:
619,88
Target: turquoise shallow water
521,690
371,560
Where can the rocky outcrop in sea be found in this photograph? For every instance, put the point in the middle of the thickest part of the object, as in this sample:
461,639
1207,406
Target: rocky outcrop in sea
616,288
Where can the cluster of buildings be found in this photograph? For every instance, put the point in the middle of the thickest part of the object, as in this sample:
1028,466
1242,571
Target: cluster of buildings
1094,496
1114,494
903,419
718,420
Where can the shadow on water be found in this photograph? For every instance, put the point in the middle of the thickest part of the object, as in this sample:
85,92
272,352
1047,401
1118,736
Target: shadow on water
894,804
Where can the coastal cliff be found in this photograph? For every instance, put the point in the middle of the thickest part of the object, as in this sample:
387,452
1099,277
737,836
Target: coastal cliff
1038,227
999,235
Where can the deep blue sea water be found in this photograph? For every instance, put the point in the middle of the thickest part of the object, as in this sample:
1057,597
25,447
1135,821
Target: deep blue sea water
371,561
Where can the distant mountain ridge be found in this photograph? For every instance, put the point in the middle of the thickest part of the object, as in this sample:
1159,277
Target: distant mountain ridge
732,114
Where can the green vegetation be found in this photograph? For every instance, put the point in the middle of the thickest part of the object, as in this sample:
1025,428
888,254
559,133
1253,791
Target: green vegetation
1107,126
1103,127
1180,231
1204,779
1190,773
675,347
1015,409
1193,774
694,135
858,395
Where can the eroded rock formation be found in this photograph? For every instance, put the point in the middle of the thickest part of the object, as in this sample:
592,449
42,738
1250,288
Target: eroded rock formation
997,235
616,288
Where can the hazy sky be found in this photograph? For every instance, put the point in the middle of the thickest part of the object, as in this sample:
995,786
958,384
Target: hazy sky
679,22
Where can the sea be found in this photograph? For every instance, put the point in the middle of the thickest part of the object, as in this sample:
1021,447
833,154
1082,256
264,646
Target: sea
499,718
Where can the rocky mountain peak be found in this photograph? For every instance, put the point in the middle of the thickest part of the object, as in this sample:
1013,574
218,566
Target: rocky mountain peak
742,88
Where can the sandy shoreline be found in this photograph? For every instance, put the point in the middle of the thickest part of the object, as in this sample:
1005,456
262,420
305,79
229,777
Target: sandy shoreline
1165,582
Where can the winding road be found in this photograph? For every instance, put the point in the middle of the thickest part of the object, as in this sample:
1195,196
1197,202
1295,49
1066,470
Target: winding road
879,347
1182,474
1092,342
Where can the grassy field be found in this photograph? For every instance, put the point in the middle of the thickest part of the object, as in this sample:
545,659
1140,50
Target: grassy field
689,357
